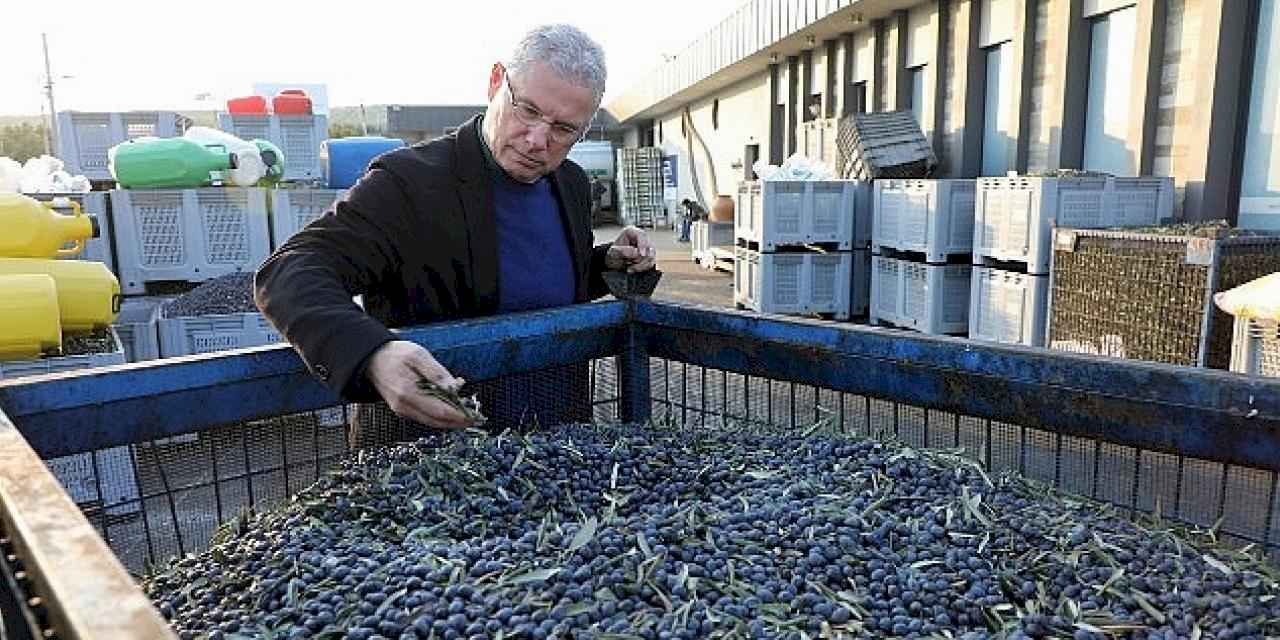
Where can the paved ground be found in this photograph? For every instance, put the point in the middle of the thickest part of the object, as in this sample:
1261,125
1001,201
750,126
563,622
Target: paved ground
682,279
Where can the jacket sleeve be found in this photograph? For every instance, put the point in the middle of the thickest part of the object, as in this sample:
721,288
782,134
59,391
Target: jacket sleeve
306,287
596,286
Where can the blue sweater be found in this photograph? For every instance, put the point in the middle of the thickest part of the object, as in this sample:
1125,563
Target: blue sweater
535,270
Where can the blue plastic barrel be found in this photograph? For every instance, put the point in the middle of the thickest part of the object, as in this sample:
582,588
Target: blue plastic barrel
345,159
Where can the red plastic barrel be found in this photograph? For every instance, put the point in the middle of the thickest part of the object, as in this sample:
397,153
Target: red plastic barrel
247,104
291,102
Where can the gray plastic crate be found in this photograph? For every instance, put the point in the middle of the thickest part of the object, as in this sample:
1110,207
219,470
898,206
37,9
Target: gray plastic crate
933,217
293,209
793,283
1014,216
930,298
1008,307
779,213
81,474
136,327
1255,347
188,235
95,203
298,136
85,137
705,236
860,283
884,145
207,334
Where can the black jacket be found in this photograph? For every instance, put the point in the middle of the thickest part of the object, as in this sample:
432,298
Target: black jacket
416,237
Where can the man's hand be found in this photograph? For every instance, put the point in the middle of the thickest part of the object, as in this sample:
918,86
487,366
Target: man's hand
632,252
395,368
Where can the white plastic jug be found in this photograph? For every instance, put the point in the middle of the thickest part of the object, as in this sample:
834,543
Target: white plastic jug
249,169
10,174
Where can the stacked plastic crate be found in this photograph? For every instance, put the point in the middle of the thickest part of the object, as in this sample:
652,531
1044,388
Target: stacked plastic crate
640,186
85,137
1014,219
802,247
922,240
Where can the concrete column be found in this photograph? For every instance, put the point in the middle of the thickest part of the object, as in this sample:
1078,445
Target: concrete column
878,103
1148,55
831,94
970,78
777,117
902,80
941,72
1212,180
806,81
1024,48
846,75
793,102
1075,90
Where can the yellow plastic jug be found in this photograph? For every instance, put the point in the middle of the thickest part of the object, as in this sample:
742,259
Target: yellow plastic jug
88,294
29,324
32,229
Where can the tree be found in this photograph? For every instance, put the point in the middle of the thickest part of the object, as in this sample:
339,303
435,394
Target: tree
344,130
22,141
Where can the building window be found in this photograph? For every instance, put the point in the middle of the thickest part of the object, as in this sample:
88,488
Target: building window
1260,178
1106,130
997,117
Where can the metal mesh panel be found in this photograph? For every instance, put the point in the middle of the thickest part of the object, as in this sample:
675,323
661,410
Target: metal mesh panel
1242,503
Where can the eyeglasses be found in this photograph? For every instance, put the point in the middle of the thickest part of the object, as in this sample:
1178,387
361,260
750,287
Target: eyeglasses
558,132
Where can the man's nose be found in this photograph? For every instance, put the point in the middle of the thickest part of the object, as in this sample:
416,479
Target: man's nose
536,135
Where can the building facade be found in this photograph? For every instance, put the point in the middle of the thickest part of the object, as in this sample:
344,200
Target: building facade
1181,88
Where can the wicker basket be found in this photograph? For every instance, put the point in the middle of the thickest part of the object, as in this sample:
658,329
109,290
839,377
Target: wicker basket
1148,296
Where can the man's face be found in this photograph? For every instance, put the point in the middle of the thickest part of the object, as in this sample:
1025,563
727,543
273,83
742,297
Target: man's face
534,119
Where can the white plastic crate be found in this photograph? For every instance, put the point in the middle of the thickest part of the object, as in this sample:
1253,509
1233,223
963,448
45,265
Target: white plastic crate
293,209
85,137
206,334
778,213
94,203
298,136
705,235
1255,347
930,298
1014,216
1008,307
793,283
860,283
114,466
136,327
189,235
933,217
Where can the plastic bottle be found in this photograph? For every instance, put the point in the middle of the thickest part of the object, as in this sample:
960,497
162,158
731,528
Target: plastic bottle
33,229
88,293
249,167
168,163
29,325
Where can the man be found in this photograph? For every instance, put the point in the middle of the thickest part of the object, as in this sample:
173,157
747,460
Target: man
488,220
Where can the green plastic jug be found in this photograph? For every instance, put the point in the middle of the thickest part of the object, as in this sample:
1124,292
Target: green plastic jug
168,163
273,157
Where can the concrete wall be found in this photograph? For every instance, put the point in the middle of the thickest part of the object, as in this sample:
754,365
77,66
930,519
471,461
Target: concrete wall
1179,76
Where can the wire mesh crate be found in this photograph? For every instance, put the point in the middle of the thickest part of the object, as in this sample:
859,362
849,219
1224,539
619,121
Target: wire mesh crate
85,137
1014,217
641,192
793,283
884,145
1008,307
1154,442
209,333
1255,347
778,213
1149,296
297,136
932,217
293,209
930,298
188,235
94,203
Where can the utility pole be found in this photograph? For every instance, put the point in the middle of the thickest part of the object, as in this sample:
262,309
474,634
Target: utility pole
52,138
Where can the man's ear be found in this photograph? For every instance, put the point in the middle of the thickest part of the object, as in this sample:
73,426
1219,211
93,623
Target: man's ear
495,79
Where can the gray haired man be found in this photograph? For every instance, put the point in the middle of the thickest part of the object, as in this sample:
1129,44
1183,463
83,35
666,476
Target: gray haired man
489,220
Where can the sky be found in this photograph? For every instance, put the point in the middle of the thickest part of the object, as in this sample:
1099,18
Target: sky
144,54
